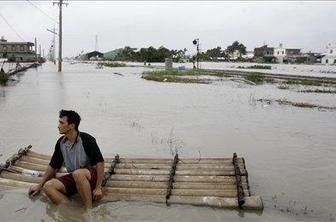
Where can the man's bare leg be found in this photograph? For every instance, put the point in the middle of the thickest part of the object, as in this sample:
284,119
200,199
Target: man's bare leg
82,178
55,190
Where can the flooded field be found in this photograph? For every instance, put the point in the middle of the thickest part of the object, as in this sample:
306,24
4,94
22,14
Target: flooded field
317,70
289,151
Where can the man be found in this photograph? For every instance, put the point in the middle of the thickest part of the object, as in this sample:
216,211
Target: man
83,160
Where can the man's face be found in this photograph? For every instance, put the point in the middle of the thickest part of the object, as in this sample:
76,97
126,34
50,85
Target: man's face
64,126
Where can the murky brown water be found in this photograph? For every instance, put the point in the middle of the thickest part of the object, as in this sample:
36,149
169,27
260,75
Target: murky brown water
290,152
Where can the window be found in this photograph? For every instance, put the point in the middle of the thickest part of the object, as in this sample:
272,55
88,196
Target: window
5,48
278,52
331,51
21,48
13,48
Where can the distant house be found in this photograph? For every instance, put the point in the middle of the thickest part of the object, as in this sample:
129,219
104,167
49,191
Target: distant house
236,54
248,56
94,55
290,55
17,51
330,55
264,54
280,53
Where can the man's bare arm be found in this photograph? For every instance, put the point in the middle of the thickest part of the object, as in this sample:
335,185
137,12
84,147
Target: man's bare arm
97,192
100,173
49,173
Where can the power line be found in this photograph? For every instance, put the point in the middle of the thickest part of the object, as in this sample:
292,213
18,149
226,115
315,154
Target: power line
11,27
38,8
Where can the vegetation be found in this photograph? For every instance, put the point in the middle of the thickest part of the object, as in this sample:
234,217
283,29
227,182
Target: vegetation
173,76
3,77
319,91
236,46
259,67
150,54
255,67
113,64
257,78
307,82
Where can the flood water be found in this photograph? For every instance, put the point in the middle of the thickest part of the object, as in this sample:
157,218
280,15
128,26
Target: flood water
289,151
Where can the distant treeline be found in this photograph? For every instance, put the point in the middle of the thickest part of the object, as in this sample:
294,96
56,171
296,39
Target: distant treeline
152,54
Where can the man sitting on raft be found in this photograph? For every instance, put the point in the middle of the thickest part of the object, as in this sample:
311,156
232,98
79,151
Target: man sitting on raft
83,160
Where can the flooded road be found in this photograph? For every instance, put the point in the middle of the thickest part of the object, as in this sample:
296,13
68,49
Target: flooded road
289,151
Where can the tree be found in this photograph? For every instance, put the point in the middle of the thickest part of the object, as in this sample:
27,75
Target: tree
236,46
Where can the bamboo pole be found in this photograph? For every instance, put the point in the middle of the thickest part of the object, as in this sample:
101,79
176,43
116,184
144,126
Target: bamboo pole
178,192
20,170
38,155
37,167
138,191
253,202
153,178
15,183
20,177
180,167
143,166
207,179
201,172
136,184
210,186
141,172
30,159
4,187
153,160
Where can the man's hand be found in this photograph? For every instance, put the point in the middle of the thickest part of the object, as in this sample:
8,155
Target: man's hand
35,189
97,193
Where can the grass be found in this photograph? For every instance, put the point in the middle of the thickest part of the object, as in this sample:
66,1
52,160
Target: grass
257,78
328,91
173,75
113,64
306,82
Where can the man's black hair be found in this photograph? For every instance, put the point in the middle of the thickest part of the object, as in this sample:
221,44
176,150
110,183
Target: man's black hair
72,117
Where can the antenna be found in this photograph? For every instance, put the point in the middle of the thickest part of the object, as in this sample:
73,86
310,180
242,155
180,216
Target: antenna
96,44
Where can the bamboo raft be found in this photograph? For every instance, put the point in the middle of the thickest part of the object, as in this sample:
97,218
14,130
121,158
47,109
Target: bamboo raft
214,182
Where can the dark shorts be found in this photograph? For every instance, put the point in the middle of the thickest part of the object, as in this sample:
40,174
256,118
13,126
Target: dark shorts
70,184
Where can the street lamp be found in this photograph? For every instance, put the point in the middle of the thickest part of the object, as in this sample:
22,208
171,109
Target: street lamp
196,43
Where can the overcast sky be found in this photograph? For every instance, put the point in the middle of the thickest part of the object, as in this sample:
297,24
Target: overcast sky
173,24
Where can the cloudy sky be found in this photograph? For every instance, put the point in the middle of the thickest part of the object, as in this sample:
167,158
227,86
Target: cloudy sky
173,24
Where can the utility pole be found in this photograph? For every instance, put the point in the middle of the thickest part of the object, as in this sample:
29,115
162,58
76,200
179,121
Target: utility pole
35,49
60,4
53,31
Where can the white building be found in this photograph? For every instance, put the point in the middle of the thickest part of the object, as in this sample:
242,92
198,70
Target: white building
280,53
330,55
